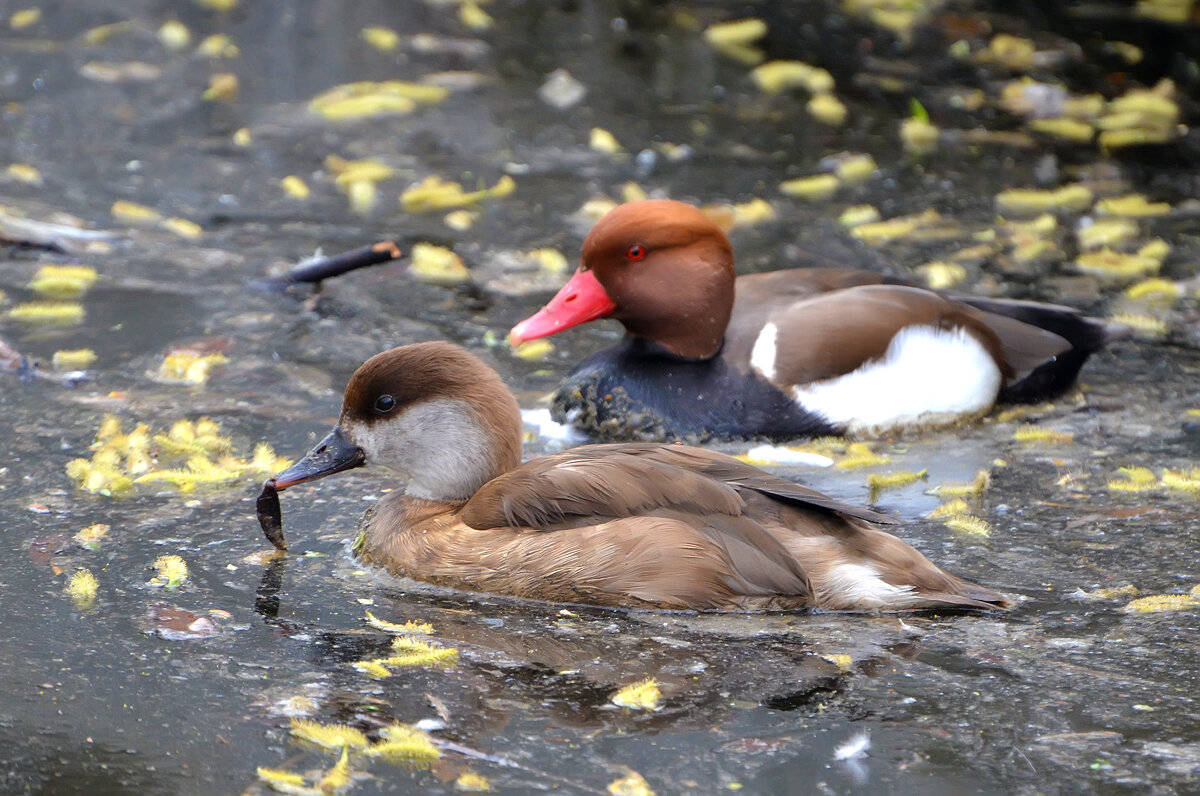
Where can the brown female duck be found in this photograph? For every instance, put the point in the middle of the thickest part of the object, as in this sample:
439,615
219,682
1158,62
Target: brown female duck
637,525
801,352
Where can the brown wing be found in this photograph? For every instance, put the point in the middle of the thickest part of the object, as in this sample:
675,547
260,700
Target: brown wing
835,333
757,296
580,489
627,480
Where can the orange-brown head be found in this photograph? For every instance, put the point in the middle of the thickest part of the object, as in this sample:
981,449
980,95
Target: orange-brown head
660,267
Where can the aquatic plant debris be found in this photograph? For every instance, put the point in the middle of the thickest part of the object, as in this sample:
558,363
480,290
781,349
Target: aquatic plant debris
632,784
968,524
83,588
329,736
172,572
120,460
1134,479
409,651
472,782
189,367
367,99
434,193
405,745
91,536
642,695
412,626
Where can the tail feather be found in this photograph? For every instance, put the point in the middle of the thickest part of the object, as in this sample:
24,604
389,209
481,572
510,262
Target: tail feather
1086,335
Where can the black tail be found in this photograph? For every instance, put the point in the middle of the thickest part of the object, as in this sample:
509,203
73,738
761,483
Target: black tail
1051,378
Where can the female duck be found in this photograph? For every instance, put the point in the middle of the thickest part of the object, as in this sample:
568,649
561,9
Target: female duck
636,525
803,352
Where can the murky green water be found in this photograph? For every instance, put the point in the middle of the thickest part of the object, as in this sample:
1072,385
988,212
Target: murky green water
1062,695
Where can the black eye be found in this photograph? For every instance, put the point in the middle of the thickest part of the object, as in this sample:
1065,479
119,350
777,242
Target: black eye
636,252
385,404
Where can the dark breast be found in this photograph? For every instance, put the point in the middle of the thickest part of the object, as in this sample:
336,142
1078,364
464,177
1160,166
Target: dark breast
636,391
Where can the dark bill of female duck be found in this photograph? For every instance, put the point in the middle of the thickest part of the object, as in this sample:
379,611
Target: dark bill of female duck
331,455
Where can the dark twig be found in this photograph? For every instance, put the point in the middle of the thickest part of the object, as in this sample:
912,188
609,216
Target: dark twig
316,269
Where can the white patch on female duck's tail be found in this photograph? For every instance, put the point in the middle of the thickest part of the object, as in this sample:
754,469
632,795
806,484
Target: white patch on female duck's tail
927,377
859,587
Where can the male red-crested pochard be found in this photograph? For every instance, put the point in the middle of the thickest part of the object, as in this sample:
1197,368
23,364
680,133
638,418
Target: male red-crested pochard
801,352
634,525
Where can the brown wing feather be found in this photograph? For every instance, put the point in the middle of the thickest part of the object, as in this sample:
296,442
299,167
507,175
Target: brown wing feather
835,333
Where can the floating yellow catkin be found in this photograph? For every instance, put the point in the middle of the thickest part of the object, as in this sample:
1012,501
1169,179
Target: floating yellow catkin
172,572
968,524
1136,479
642,695
405,744
330,736
973,489
409,627
1040,434
877,482
83,588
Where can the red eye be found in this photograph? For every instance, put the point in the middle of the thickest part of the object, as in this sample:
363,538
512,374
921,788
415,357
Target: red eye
636,252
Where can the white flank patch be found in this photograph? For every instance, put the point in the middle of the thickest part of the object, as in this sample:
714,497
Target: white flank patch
857,746
859,586
762,356
927,377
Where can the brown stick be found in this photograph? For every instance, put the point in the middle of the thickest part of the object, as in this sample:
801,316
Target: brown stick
314,270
